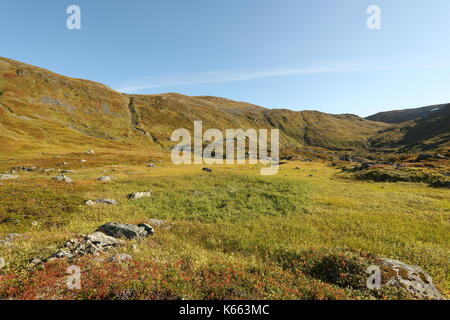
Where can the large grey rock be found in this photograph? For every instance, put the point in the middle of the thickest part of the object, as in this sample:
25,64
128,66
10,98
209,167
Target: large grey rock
8,177
102,201
411,278
139,195
63,178
128,231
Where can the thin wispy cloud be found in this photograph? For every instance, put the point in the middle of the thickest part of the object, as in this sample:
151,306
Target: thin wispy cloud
187,79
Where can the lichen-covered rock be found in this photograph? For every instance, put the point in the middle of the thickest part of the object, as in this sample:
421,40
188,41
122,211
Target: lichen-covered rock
63,178
139,195
411,278
128,231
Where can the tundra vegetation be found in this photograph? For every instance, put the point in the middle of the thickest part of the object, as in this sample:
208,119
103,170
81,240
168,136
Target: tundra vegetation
349,192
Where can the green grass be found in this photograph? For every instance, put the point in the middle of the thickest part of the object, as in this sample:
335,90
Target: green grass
287,228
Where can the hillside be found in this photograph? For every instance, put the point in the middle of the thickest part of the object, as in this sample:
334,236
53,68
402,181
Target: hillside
399,116
41,110
426,133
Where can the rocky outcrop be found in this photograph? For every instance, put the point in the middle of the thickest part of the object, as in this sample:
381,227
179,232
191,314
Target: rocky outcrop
410,278
128,231
90,244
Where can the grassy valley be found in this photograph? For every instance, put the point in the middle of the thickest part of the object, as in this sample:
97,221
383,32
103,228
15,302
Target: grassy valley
350,192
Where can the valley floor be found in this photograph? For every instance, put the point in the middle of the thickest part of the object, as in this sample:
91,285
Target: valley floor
228,234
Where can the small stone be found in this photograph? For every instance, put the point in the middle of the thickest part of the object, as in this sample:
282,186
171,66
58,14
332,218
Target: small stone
139,195
120,257
151,165
104,178
63,178
90,152
156,222
2,263
35,261
83,160
207,169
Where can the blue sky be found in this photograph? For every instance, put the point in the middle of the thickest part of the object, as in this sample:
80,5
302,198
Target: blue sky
293,54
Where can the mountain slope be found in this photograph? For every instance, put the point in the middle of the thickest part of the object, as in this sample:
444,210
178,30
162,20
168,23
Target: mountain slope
41,110
399,116
426,133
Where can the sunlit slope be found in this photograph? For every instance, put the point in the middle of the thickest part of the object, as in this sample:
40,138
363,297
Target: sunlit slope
40,110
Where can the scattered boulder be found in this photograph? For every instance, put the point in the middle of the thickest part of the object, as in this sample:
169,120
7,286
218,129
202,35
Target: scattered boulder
104,179
83,161
151,165
66,171
120,257
63,178
90,152
128,231
8,177
48,170
207,170
139,195
102,201
411,278
2,263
